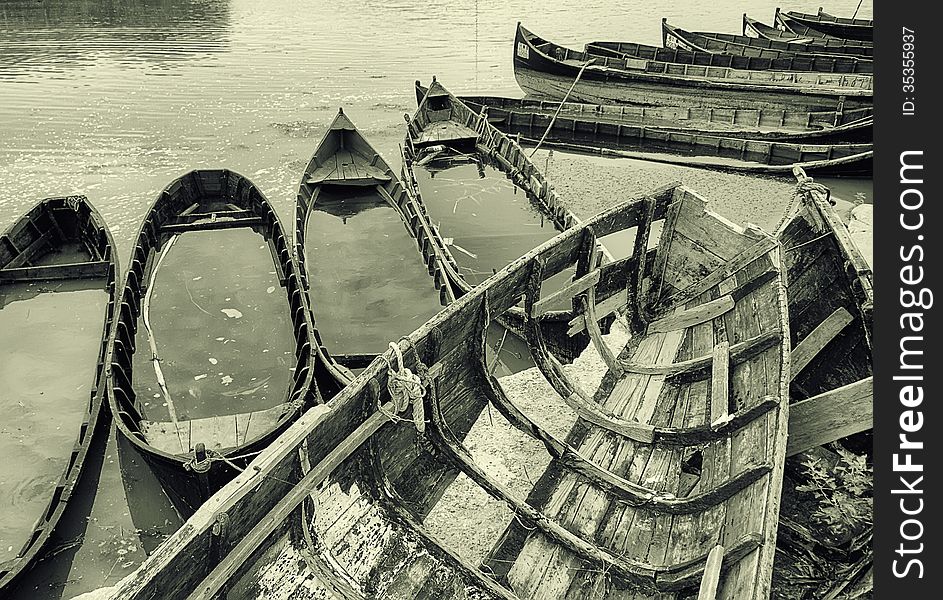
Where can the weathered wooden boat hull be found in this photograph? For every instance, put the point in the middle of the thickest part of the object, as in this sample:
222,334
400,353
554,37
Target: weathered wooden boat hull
190,478
507,155
785,38
782,58
841,27
825,127
606,80
787,24
334,506
48,224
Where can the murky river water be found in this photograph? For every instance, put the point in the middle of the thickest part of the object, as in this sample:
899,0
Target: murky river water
115,98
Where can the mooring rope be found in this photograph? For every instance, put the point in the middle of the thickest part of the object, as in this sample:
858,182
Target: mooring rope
405,388
152,341
804,188
560,107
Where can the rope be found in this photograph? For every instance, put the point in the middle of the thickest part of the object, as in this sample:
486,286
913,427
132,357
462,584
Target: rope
405,388
852,16
804,189
560,107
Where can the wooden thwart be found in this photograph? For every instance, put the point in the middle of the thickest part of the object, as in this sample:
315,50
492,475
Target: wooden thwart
216,433
831,416
603,310
83,270
817,339
693,316
695,367
209,225
568,291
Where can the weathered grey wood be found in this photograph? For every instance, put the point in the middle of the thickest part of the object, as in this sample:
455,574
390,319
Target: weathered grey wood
831,416
693,316
698,367
568,291
720,384
605,308
825,332
83,270
711,578
173,228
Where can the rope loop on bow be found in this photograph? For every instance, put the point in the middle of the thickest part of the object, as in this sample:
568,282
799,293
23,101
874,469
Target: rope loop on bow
405,388
804,189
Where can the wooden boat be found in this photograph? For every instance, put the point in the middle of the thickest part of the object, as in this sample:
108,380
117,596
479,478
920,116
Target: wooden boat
808,43
683,47
350,199
787,57
547,70
785,23
830,25
194,427
336,505
442,119
831,299
57,266
827,127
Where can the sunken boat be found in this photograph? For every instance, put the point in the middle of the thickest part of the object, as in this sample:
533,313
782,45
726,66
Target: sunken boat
784,38
444,132
357,236
793,59
513,115
58,272
548,70
211,356
830,25
338,505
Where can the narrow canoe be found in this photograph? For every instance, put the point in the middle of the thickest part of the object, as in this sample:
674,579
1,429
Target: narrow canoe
337,506
823,127
442,119
58,273
840,27
355,240
786,57
550,71
753,28
785,23
212,355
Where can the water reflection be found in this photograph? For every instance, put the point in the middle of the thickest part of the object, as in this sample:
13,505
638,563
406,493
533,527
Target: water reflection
56,35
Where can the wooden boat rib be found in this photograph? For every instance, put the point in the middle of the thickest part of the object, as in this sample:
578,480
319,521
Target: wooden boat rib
841,27
335,505
753,28
343,163
831,299
548,70
682,47
32,251
790,58
202,454
513,114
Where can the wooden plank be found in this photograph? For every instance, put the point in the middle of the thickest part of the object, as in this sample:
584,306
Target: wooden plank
720,384
568,291
690,369
603,310
663,250
82,270
825,332
711,577
211,225
831,416
693,316
223,572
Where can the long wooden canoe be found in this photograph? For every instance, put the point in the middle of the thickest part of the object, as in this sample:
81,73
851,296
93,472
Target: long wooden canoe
788,57
58,271
547,70
753,28
213,296
830,25
683,47
782,21
692,411
442,119
355,252
823,127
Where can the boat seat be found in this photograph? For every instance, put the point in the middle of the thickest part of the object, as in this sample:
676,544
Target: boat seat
349,168
216,433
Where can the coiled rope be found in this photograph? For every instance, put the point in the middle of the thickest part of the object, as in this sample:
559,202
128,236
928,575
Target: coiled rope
804,189
405,388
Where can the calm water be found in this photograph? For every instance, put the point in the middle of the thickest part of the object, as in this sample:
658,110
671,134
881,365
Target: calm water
115,98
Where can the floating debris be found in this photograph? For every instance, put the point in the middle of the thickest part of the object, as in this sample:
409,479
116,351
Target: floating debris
232,313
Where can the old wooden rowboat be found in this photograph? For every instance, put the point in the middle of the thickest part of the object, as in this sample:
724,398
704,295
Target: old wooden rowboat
349,200
682,47
785,23
58,273
547,70
442,119
692,411
511,115
803,43
830,25
792,57
831,299
212,355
